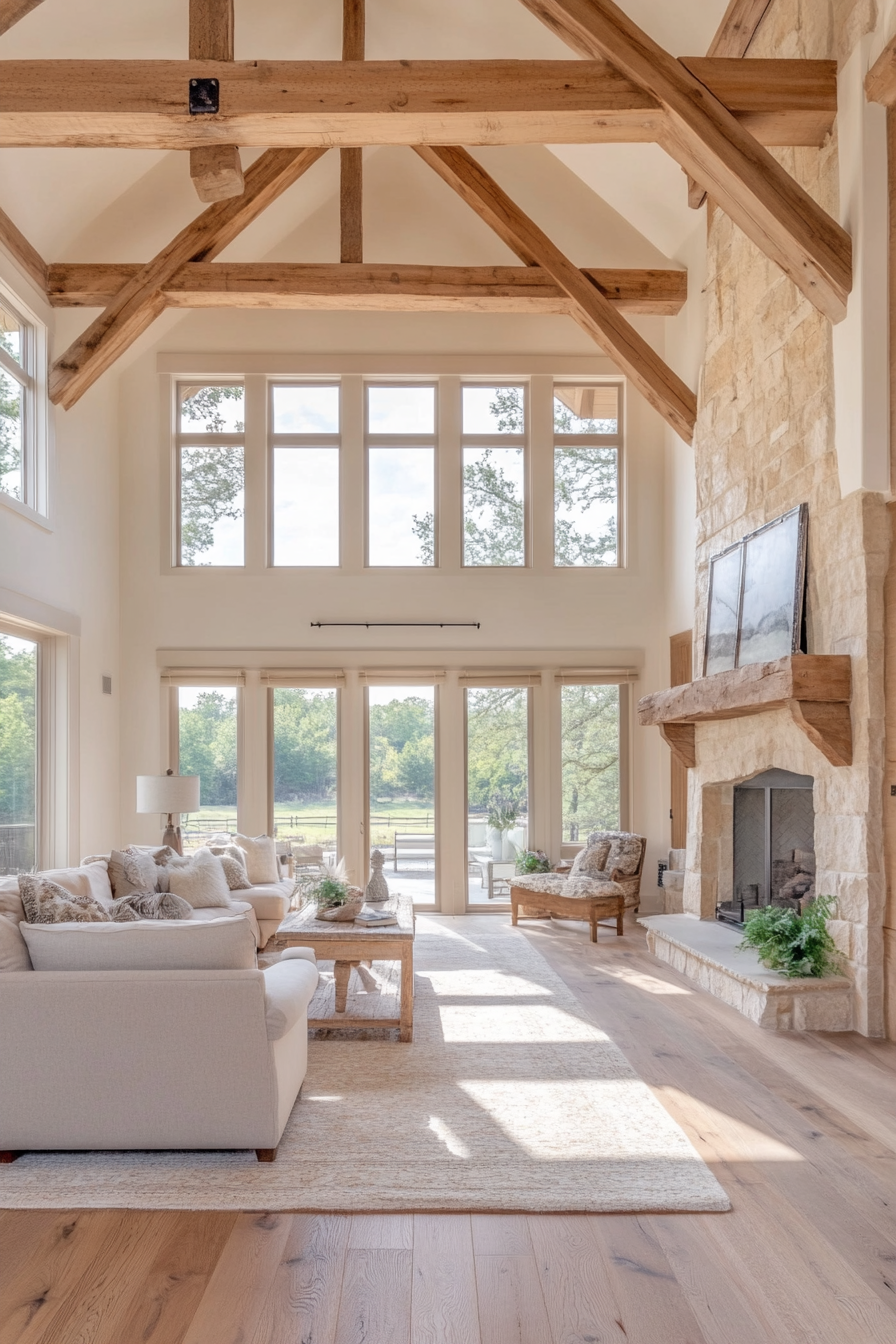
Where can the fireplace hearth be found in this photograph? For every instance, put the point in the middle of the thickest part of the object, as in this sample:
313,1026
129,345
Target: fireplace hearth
774,845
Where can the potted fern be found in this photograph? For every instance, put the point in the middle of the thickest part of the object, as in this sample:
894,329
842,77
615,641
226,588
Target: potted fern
793,943
335,898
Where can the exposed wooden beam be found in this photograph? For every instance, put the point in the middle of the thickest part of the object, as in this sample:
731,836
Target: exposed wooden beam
710,144
141,299
351,165
880,81
13,10
739,25
216,170
733,37
665,391
143,104
376,288
21,251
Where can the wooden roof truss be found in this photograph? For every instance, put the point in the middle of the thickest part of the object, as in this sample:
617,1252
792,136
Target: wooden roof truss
715,115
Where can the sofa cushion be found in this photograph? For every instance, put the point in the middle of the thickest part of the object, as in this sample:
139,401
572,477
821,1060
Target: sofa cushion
591,861
11,900
261,858
269,900
46,902
625,855
224,944
201,881
90,879
13,948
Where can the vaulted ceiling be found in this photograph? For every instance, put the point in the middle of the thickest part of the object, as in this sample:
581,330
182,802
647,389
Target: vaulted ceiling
555,206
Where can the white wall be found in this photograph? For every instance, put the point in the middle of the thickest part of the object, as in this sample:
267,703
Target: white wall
72,565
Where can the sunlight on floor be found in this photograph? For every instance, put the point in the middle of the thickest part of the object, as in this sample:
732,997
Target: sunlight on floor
733,1140
640,980
455,1146
489,983
542,1023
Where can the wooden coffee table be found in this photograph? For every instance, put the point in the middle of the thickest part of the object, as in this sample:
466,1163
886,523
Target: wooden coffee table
347,945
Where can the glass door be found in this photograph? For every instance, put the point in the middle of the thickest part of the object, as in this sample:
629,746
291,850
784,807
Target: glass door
18,754
590,756
402,796
305,759
497,789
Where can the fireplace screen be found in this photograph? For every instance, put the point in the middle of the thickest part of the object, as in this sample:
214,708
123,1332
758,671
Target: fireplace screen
774,845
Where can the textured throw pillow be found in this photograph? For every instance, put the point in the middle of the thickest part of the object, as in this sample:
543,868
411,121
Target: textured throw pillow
625,855
591,862
45,902
235,872
201,881
91,879
132,870
152,905
122,912
261,858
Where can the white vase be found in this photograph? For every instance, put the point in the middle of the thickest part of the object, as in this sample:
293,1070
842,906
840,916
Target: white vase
496,842
508,850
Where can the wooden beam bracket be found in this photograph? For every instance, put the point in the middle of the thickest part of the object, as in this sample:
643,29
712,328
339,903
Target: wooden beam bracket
815,688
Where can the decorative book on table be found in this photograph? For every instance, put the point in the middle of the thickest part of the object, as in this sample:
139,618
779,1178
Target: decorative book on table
376,918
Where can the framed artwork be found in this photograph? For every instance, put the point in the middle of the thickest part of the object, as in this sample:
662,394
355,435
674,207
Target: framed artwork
757,595
724,609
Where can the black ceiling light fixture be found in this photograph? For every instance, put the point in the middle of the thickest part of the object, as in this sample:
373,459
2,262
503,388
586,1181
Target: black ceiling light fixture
203,96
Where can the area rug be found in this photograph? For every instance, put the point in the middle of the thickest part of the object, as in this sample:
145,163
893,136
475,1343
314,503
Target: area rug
509,1099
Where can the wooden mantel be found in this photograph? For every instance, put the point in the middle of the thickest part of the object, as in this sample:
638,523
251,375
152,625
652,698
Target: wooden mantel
815,687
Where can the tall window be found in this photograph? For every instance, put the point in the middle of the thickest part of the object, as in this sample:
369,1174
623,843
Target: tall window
590,760
207,734
586,475
305,762
305,474
497,786
401,460
18,754
211,474
22,358
401,768
494,426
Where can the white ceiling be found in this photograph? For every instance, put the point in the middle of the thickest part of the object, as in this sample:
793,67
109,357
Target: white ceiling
80,204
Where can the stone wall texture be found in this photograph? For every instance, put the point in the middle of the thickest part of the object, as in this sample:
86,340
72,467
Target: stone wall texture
765,443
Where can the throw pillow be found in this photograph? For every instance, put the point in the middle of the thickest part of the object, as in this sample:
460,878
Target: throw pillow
132,870
122,913
152,905
201,881
591,862
90,879
234,871
261,858
10,899
625,854
45,902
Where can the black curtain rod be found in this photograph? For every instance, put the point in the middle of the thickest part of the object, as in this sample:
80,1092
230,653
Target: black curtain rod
413,625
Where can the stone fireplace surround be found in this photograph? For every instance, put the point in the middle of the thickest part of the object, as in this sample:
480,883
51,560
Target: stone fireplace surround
848,857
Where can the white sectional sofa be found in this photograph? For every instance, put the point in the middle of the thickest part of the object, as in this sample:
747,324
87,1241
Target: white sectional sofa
149,1035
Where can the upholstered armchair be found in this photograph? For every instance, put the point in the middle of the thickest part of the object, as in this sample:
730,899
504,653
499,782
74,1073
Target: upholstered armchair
612,861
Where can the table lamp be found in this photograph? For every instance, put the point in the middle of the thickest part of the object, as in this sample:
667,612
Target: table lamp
168,793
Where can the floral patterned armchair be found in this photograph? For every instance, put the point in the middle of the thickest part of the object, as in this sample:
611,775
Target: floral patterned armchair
609,857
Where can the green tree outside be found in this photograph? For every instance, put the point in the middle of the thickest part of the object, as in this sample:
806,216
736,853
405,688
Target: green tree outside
590,760
18,749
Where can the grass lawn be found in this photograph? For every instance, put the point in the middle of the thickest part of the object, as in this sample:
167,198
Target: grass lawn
316,822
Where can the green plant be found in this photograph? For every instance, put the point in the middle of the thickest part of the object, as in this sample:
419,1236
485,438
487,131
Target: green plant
328,892
532,861
791,943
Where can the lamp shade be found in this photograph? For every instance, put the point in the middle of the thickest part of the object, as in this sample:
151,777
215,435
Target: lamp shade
167,793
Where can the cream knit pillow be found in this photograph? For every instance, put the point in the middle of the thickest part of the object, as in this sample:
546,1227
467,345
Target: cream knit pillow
261,858
201,881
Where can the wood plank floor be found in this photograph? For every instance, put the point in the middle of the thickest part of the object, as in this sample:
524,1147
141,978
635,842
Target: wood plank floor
800,1129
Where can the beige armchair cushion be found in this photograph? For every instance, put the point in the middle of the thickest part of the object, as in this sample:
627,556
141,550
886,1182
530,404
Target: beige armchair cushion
581,887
